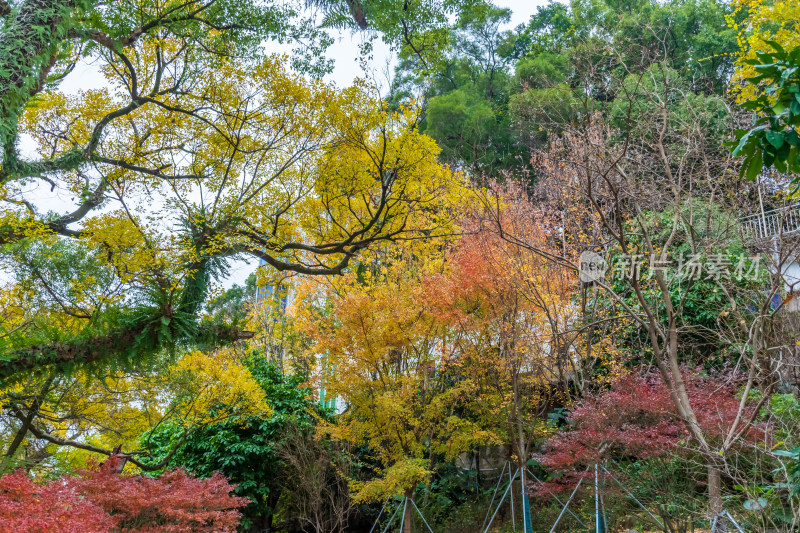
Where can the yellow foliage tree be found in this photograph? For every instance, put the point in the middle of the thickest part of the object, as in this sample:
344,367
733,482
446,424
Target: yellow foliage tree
387,355
774,20
516,314
255,160
71,418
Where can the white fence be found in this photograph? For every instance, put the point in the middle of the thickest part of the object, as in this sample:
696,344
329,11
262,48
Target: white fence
783,221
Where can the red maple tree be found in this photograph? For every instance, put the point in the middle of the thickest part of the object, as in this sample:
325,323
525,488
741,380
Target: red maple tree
637,418
99,499
55,507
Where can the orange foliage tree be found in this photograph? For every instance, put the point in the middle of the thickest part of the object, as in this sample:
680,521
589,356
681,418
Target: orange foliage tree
388,352
515,313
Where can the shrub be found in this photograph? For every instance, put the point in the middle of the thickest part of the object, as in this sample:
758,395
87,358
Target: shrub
101,500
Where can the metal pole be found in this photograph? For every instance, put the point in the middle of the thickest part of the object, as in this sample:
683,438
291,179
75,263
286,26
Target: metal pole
605,518
510,483
527,527
596,502
559,501
421,516
502,472
735,523
379,515
634,499
500,504
565,505
391,519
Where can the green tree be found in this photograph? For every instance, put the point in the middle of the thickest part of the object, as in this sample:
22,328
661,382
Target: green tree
766,81
247,450
467,95
231,306
498,94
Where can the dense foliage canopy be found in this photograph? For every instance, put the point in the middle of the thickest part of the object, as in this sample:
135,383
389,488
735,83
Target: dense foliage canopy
531,254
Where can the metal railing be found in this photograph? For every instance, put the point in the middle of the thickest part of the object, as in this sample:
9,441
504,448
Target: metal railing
782,221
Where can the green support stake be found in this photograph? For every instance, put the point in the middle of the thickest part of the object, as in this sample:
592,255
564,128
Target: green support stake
526,509
599,512
527,524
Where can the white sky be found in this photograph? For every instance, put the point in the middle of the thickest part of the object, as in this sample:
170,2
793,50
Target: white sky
344,52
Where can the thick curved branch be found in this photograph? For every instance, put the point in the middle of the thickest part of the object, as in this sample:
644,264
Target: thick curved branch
43,435
26,419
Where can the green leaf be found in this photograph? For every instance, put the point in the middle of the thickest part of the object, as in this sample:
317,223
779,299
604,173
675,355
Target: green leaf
780,164
775,138
769,156
754,165
755,505
777,47
793,454
745,146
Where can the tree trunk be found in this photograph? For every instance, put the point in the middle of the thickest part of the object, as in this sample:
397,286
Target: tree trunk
407,511
28,40
478,466
715,499
271,503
